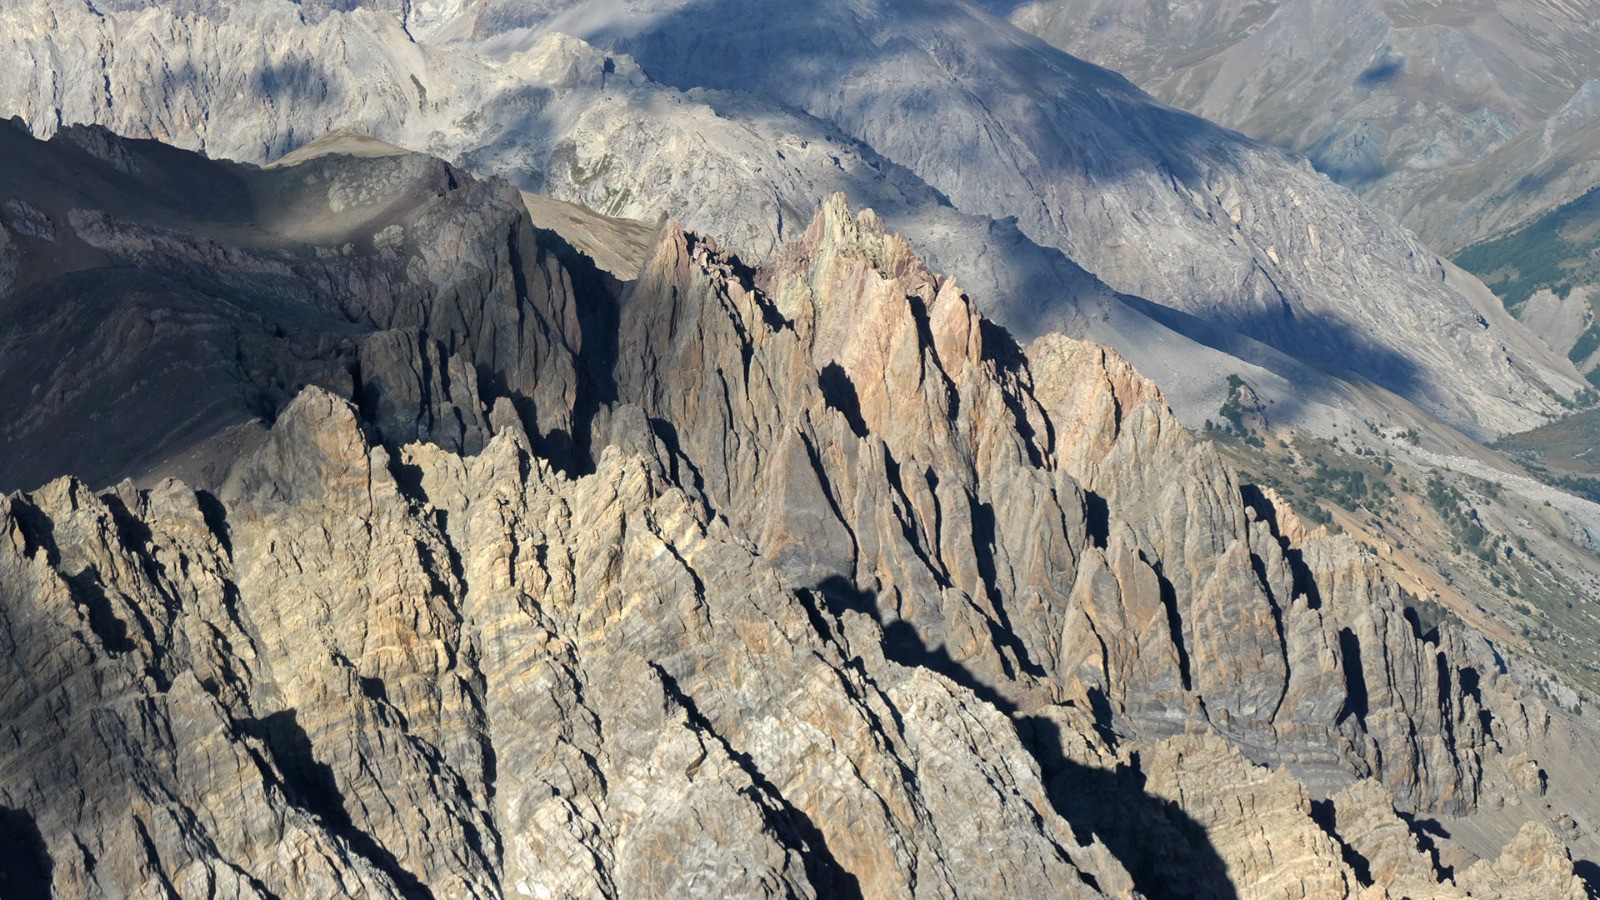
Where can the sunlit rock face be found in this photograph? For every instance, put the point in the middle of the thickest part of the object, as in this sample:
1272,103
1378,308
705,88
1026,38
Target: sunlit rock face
512,578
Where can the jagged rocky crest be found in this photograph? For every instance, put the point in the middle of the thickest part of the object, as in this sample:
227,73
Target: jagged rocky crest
799,580
738,117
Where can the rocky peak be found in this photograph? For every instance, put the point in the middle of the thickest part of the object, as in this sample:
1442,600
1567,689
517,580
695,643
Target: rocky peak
1230,255
798,579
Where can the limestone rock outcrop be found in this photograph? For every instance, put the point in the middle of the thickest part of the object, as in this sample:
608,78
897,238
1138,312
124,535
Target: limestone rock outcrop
798,579
1534,864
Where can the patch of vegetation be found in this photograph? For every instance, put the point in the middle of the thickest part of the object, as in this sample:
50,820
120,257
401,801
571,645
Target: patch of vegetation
1554,252
1430,615
1460,527
1561,450
1237,411
1457,514
1315,513
1577,485
1587,344
582,178
1350,488
1233,409
1319,474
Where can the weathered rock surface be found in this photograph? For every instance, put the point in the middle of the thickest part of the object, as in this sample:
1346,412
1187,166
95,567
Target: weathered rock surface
802,580
1532,865
1240,255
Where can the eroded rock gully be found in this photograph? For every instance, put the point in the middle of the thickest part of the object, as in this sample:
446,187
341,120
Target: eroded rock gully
795,581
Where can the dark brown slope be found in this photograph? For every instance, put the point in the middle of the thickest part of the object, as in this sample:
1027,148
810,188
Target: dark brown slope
161,306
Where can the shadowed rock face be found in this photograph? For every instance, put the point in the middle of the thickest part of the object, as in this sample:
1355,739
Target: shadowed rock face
801,579
1047,184
163,302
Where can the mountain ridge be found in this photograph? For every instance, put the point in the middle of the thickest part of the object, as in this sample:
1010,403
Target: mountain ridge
1185,231
712,557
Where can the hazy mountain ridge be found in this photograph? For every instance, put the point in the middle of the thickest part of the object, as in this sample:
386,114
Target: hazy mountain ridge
1464,119
731,594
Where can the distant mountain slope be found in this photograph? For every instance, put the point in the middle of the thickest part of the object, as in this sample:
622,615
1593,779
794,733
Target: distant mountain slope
1462,118
1157,204
1012,162
1548,274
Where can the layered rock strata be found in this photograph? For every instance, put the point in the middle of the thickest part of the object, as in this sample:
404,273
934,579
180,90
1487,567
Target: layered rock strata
802,579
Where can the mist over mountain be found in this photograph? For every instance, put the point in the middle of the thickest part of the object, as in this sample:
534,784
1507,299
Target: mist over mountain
848,449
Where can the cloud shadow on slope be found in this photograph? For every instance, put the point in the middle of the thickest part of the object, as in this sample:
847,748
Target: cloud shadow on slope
1047,96
818,47
1320,342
